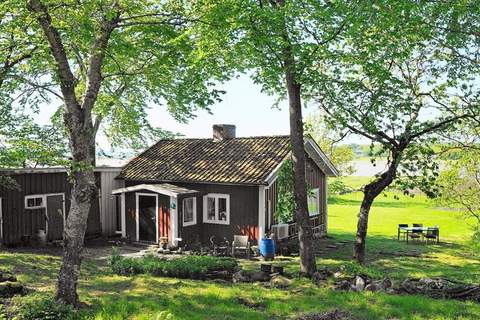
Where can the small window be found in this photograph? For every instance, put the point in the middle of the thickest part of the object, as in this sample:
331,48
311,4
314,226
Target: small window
34,202
189,206
216,208
313,202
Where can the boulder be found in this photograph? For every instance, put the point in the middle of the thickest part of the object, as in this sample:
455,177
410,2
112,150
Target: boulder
381,285
240,276
373,287
260,276
280,281
343,285
359,284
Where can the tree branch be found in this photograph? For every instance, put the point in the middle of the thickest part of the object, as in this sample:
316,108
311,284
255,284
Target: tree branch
67,79
94,74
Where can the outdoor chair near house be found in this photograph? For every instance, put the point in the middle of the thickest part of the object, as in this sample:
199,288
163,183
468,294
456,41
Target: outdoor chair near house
432,234
241,243
416,234
401,231
219,246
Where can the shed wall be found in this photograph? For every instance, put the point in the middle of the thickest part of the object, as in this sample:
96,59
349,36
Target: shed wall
108,202
19,222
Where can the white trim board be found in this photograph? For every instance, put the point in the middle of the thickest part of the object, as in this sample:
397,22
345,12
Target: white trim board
164,188
137,214
261,212
123,216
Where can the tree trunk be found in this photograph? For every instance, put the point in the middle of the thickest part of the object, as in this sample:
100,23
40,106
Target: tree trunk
371,191
305,234
82,145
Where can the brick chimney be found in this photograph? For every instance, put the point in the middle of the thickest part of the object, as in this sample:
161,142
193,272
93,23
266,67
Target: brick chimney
223,131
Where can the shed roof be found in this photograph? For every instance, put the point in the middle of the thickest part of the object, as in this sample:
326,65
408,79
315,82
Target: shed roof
164,188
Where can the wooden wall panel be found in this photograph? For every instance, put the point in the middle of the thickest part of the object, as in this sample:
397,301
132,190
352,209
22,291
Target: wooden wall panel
19,222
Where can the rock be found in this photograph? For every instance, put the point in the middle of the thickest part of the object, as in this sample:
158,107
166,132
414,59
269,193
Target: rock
386,283
280,281
338,274
320,276
373,287
260,276
359,284
251,304
343,285
379,285
240,276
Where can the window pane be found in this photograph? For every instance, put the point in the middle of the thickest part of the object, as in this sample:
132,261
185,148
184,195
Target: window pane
211,208
188,210
34,202
222,209
313,202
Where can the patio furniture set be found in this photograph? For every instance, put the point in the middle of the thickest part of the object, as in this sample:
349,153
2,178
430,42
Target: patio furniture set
224,248
418,232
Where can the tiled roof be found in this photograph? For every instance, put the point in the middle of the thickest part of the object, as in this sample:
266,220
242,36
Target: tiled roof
236,161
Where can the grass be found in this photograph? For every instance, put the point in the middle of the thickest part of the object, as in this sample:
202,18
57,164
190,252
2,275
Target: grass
148,297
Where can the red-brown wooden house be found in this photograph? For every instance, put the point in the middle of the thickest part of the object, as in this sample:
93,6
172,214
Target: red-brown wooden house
191,189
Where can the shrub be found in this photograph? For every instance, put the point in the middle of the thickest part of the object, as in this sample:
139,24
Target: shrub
193,267
339,187
43,307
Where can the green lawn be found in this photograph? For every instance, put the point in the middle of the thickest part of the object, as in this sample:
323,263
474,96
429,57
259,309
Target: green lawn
146,297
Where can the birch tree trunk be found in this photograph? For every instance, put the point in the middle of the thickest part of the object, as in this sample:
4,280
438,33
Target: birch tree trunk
82,132
84,191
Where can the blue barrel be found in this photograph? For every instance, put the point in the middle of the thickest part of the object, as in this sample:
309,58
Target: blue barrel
267,248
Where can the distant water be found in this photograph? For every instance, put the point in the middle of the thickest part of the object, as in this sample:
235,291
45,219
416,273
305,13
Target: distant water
364,168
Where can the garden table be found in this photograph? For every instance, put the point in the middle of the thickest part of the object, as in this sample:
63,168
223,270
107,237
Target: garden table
409,230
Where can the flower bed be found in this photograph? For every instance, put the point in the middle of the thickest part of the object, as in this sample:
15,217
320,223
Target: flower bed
187,267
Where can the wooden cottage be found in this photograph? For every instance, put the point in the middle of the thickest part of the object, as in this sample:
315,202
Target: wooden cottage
189,190
43,198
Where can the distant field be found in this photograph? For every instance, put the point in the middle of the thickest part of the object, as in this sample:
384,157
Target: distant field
388,212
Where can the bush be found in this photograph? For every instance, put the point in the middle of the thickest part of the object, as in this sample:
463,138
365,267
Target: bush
190,267
43,307
339,187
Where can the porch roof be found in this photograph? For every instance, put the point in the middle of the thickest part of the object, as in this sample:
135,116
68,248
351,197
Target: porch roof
163,188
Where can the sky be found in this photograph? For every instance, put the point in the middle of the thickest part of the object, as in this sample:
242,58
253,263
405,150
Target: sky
243,105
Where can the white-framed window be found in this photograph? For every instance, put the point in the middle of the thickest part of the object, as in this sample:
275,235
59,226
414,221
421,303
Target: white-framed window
314,202
35,202
216,208
189,207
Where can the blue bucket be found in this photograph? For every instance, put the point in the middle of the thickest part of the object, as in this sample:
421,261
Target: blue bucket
267,248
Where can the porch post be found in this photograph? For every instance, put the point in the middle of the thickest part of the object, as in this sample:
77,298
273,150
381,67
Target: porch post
174,220
123,215
261,212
